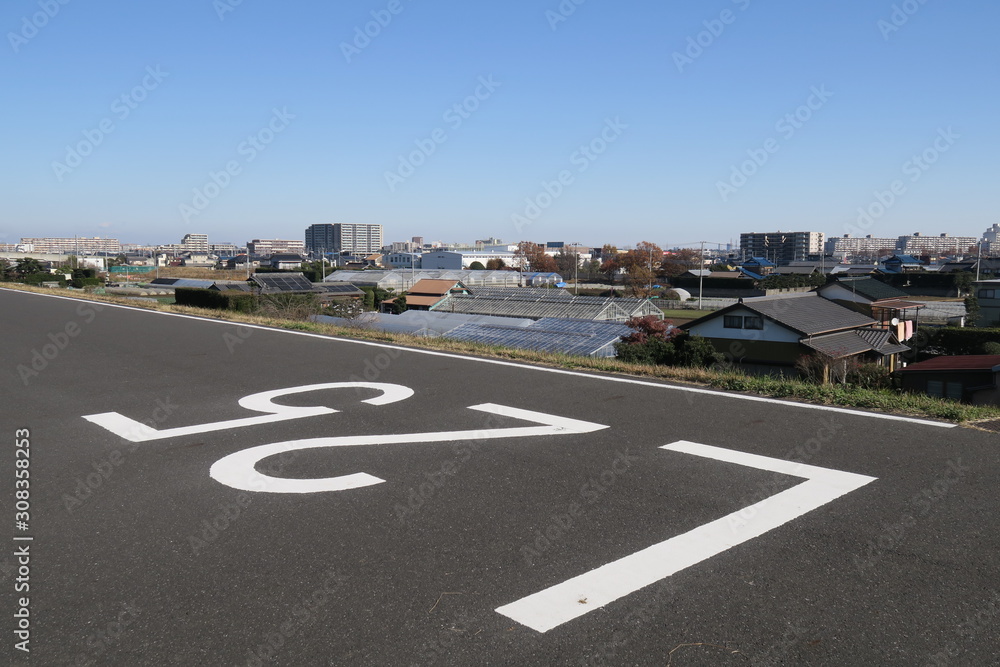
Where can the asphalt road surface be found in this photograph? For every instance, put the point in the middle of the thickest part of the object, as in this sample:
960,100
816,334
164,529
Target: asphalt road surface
439,509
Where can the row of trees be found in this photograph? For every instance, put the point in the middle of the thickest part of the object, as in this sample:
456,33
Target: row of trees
642,267
26,266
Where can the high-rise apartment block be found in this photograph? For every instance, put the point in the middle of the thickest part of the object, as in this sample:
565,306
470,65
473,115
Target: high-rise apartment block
275,246
782,246
72,246
918,244
358,239
195,243
868,246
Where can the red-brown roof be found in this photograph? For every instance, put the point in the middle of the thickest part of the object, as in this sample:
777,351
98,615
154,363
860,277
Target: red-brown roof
966,362
418,300
432,287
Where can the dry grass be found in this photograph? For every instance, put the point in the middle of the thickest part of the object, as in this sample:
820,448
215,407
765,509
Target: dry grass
193,272
726,380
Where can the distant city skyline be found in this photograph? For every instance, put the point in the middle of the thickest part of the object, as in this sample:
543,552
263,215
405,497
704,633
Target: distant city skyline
671,123
304,241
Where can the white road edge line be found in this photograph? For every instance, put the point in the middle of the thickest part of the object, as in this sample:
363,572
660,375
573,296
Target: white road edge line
450,355
580,595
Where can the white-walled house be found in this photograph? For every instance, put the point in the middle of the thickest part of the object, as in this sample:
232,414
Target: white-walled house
769,334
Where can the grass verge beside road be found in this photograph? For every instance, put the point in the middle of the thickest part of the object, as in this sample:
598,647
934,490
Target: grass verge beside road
725,379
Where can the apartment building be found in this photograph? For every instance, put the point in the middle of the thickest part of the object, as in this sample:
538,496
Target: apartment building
781,247
357,239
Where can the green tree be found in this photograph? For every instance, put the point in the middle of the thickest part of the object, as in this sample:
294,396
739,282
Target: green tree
27,266
399,305
477,266
971,311
963,282
6,270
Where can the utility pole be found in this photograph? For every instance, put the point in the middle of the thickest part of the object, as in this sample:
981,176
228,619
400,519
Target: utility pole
576,270
701,275
649,283
979,260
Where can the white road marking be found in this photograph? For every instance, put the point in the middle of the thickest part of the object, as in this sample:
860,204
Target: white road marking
561,603
498,362
238,470
135,431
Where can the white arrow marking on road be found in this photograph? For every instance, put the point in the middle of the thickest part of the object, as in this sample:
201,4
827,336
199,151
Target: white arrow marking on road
238,470
561,603
135,431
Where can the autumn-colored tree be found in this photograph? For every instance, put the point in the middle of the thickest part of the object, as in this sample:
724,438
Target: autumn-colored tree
681,261
567,262
495,264
531,257
610,261
642,266
654,341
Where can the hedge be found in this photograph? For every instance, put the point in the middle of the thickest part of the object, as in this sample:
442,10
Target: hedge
955,340
242,302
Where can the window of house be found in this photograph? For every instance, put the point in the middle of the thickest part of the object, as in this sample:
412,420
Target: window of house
733,322
987,294
953,390
935,388
753,323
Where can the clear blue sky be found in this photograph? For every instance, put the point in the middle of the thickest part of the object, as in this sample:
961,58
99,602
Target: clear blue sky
560,84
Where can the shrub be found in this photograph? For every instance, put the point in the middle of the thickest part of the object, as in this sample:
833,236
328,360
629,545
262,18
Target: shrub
956,340
653,342
242,302
870,376
991,348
